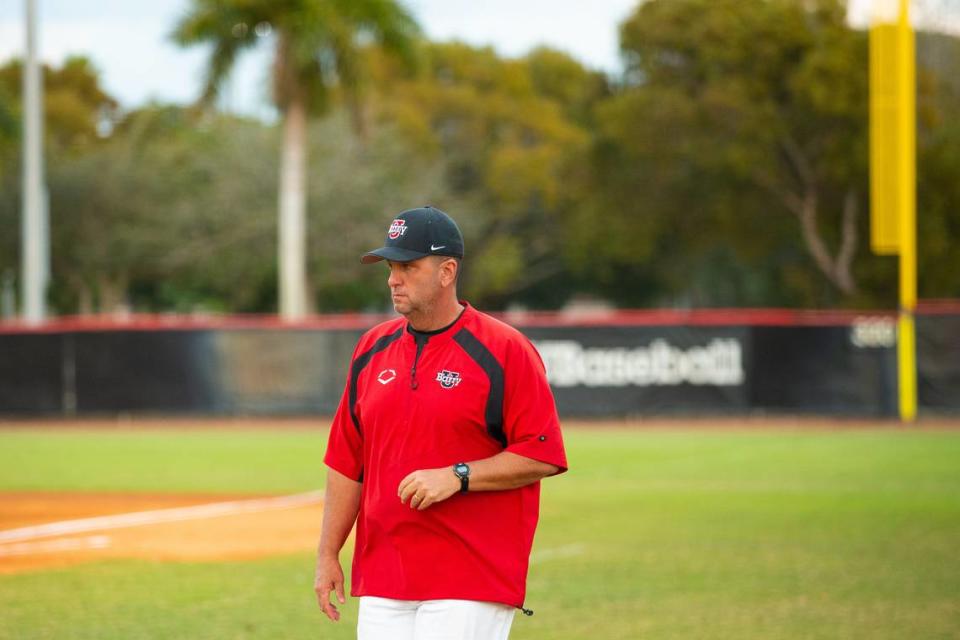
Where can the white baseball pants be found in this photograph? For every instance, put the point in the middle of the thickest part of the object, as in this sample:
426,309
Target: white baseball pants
388,619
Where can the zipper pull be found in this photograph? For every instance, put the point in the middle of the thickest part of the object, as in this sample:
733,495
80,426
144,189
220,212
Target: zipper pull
413,378
526,612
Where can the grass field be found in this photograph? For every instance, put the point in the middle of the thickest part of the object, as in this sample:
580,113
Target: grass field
654,533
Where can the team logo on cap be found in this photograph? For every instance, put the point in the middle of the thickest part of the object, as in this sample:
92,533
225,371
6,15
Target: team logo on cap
397,228
448,379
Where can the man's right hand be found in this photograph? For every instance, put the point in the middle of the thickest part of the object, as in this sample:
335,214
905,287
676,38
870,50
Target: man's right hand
329,577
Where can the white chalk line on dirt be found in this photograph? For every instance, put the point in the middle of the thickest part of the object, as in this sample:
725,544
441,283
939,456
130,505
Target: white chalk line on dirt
157,516
54,546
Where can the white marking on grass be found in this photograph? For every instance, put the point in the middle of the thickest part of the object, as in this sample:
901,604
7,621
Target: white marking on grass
51,546
566,551
156,516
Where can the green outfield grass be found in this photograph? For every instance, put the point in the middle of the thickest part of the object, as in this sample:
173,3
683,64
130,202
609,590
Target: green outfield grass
698,533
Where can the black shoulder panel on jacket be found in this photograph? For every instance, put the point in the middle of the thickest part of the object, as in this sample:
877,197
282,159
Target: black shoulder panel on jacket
362,360
482,356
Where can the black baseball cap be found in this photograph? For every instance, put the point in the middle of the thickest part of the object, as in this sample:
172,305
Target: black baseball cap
418,233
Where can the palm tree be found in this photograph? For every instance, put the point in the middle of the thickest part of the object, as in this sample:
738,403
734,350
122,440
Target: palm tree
319,53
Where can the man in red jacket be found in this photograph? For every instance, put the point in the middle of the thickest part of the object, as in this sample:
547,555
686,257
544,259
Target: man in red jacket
444,431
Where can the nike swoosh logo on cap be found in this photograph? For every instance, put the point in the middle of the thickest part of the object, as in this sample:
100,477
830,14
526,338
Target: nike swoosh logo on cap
433,248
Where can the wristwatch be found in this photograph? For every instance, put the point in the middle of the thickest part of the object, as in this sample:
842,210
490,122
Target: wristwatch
462,471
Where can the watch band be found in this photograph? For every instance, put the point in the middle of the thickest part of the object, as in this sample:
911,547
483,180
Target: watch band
462,471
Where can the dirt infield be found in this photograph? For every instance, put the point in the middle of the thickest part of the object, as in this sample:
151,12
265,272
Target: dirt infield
45,530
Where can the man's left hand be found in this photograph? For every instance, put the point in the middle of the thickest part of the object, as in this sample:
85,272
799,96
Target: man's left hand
428,486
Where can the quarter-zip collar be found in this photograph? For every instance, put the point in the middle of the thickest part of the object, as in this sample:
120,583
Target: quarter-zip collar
442,334
438,336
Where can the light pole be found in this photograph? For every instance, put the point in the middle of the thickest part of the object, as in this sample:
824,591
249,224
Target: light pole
35,228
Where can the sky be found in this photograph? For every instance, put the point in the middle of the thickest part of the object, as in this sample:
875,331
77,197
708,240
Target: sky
128,39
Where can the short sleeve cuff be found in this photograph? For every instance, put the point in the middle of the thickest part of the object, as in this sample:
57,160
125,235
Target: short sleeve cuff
543,448
349,468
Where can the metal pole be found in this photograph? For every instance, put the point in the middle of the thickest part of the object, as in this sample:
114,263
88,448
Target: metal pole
907,207
292,256
35,239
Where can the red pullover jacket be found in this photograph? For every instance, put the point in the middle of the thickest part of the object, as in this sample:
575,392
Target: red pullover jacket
425,400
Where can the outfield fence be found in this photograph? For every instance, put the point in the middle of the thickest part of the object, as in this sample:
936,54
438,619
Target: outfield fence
621,364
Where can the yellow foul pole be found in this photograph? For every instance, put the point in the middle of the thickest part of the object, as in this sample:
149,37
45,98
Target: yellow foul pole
893,215
907,210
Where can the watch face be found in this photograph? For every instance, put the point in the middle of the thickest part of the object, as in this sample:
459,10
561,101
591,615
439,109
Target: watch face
461,469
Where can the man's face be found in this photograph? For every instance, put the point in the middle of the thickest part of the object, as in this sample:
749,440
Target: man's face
415,286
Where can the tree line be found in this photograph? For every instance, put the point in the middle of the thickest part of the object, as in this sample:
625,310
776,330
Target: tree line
727,165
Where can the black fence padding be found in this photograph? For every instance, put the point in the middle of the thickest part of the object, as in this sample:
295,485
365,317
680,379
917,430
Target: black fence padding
145,371
31,371
938,358
263,371
595,371
819,370
626,371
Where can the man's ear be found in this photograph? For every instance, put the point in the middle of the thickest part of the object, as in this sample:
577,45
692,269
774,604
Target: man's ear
448,271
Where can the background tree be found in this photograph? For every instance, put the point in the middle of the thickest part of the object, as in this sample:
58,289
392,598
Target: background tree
938,160
730,168
318,56
669,186
78,114
735,113
168,214
505,130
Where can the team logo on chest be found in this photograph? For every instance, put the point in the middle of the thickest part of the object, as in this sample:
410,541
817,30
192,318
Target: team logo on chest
448,379
386,376
397,228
